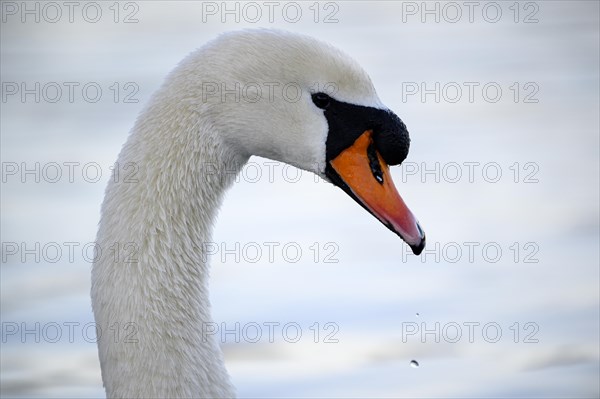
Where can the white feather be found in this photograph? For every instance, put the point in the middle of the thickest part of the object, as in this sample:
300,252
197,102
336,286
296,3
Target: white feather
188,147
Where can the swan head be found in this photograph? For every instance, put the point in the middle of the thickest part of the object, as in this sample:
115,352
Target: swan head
297,100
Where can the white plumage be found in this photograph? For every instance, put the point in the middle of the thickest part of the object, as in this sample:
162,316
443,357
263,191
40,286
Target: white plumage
168,213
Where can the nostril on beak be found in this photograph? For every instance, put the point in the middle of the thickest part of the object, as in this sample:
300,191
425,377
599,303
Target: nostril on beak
374,163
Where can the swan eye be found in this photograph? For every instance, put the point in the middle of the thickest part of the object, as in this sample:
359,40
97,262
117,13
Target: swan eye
321,100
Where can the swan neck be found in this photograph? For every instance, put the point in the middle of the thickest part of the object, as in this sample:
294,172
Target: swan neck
155,294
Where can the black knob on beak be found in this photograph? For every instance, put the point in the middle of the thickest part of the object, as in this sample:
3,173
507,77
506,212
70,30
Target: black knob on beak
391,139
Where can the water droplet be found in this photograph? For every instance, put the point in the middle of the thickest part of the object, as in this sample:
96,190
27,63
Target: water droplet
416,314
414,364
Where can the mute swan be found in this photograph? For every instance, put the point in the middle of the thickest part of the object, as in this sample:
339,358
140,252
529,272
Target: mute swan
347,137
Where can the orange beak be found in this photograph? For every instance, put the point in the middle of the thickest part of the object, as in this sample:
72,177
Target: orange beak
368,180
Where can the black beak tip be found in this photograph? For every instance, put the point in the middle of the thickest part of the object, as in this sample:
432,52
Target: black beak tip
417,249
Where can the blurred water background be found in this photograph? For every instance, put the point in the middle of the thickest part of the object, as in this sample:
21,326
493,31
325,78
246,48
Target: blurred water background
528,316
